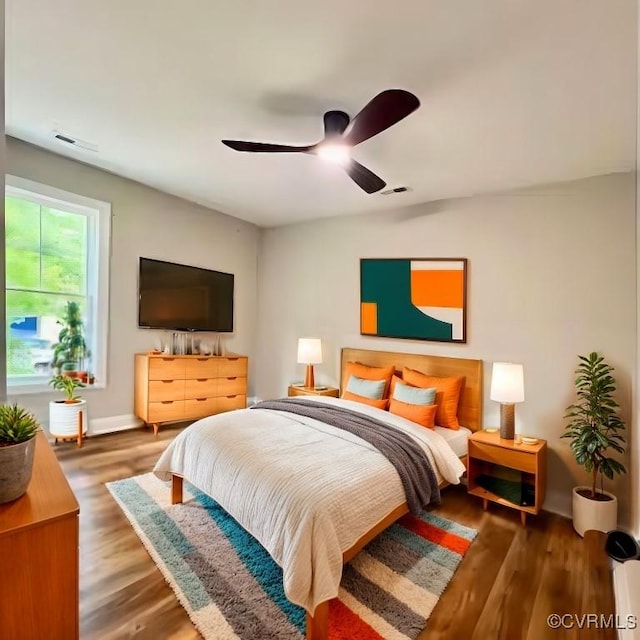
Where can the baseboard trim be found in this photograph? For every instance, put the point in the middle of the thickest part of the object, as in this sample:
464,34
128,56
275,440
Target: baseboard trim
112,424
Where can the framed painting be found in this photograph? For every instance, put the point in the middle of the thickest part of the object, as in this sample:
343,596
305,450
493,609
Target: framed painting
414,298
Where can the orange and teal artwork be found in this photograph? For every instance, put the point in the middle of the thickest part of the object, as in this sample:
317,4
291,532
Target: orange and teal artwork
414,298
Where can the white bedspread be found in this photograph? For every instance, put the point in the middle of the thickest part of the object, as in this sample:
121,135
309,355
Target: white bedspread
307,491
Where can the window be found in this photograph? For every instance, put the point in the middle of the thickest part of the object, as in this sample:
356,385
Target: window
57,252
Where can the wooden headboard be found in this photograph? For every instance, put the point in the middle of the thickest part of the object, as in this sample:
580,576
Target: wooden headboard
470,403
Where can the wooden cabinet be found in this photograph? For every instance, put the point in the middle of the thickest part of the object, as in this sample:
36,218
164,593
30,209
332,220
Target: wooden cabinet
173,388
507,472
295,390
39,555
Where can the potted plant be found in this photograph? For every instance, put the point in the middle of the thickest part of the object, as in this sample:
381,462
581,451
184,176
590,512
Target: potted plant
64,415
71,349
594,429
17,445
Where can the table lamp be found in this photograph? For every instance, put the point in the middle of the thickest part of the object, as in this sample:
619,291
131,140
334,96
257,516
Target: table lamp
309,353
507,388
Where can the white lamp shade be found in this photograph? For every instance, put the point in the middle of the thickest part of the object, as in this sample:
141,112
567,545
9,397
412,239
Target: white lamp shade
309,351
507,382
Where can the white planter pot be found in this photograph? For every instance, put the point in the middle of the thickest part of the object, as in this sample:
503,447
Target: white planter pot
63,418
594,514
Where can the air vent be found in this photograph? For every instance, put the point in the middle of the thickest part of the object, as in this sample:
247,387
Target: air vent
75,142
388,192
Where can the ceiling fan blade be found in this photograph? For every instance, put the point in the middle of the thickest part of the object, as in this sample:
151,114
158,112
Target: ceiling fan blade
239,145
364,178
379,114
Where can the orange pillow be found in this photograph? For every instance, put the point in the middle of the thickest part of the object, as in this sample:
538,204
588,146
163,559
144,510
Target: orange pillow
447,394
422,414
370,373
381,404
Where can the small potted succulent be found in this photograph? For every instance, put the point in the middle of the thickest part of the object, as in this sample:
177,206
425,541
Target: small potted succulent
63,414
595,429
18,429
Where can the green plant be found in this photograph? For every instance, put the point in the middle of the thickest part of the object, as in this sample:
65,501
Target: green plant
594,424
71,346
67,385
16,425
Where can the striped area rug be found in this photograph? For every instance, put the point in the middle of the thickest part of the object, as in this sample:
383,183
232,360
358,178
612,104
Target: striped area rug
232,589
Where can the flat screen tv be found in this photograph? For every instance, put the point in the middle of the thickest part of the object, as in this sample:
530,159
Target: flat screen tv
182,298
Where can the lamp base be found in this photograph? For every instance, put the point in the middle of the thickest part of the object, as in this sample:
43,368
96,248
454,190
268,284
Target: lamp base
309,381
507,421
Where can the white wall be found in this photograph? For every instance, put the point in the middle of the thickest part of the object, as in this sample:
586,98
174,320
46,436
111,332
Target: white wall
147,223
551,275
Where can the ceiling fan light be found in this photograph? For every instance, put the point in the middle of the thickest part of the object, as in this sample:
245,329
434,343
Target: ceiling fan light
335,153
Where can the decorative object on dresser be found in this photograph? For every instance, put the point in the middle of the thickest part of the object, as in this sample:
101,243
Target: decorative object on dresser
67,418
414,298
18,429
507,388
309,353
506,472
301,390
189,387
39,551
595,427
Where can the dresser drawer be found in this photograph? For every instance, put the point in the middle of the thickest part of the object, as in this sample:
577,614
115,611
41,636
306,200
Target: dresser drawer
519,460
201,367
229,403
200,388
228,367
160,390
199,408
232,386
166,411
166,368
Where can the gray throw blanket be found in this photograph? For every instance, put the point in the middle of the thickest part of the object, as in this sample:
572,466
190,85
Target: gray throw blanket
410,461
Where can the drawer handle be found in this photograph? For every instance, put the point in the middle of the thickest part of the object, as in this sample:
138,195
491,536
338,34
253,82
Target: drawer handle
201,379
167,402
167,381
168,359
202,359
200,399
233,396
232,359
234,378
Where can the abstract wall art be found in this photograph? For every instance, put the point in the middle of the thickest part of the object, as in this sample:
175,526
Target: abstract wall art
414,298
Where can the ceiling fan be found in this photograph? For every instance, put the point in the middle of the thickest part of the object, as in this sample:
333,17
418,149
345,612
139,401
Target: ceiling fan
341,134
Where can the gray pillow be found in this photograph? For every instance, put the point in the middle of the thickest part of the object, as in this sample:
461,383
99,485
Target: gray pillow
414,395
373,389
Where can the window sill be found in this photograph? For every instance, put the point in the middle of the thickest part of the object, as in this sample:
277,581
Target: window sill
30,389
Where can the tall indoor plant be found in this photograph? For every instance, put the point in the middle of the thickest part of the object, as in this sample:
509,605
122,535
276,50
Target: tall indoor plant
18,429
595,428
71,348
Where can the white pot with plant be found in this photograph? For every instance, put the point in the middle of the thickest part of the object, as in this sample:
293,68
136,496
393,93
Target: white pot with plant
18,429
64,416
594,428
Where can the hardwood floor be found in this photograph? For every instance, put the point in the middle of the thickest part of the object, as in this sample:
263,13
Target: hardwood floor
511,579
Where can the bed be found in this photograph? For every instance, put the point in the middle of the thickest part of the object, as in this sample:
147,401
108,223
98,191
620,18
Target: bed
322,508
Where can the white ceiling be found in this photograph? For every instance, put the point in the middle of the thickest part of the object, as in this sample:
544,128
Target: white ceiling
513,92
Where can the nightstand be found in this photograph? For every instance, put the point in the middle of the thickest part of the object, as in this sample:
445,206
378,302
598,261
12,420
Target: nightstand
509,473
299,390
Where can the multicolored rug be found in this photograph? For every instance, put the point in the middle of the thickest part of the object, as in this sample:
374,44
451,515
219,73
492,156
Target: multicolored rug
232,589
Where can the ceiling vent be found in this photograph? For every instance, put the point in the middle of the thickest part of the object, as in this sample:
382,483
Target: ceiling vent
388,192
72,141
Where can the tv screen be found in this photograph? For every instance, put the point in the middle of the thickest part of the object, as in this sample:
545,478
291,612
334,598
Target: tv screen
183,298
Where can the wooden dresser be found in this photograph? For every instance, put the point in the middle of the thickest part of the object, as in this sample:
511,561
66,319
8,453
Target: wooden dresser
39,555
173,388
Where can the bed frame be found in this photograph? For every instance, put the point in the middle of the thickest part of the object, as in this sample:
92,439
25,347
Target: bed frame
469,415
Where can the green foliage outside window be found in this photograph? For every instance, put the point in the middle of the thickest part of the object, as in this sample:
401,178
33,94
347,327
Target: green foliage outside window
46,268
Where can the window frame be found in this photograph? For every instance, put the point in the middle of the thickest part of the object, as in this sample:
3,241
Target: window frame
98,213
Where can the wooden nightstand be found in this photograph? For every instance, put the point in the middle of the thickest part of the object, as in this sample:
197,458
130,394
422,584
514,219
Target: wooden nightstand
295,390
507,472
